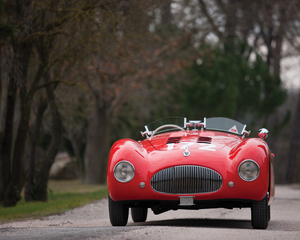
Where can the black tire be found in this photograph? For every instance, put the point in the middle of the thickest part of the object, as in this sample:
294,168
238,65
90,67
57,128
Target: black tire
139,214
269,213
118,213
259,214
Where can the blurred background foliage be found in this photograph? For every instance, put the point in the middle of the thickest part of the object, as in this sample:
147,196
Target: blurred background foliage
226,83
78,75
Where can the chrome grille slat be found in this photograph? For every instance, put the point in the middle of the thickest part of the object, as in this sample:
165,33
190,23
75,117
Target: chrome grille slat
186,179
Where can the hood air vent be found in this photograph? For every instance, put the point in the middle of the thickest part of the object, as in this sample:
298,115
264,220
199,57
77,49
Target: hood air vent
174,140
204,140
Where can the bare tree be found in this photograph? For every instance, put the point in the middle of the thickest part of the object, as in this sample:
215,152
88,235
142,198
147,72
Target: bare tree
130,58
34,51
260,23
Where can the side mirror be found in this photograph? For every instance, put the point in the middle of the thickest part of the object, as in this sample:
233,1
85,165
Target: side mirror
263,133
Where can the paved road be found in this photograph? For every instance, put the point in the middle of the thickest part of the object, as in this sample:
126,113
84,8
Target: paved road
91,222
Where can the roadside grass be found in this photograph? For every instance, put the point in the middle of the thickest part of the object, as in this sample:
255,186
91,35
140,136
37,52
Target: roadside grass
62,196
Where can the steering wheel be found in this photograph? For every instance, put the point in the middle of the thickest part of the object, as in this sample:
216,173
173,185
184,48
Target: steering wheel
166,126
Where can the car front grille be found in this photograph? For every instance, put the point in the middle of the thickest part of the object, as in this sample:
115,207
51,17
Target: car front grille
186,179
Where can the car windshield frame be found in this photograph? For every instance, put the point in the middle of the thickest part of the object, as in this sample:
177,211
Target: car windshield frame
222,124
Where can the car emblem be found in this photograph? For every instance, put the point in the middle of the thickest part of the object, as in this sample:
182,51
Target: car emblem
186,153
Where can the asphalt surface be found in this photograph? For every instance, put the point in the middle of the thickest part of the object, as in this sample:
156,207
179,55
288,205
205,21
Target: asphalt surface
92,222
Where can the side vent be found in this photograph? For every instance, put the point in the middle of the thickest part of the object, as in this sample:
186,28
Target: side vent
204,140
174,140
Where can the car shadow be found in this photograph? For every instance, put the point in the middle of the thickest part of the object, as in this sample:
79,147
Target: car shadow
208,223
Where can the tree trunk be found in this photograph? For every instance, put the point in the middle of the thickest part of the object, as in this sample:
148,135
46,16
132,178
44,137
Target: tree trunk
13,191
166,15
294,145
43,175
231,24
7,139
37,181
97,148
29,187
78,144
277,55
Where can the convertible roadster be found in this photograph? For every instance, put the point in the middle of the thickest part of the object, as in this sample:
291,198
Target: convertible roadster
191,165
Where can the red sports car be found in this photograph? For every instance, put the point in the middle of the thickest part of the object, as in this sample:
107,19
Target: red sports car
191,165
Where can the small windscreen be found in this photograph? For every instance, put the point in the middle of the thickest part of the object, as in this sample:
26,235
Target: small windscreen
178,121
225,124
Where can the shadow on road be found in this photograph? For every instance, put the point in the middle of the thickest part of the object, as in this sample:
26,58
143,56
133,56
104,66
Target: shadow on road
210,223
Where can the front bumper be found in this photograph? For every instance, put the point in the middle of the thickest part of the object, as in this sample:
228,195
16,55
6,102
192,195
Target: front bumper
230,187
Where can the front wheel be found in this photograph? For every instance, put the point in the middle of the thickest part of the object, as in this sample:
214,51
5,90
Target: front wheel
118,213
260,213
139,214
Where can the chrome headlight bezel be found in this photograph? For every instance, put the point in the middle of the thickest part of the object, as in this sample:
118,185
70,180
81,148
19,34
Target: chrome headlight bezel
127,175
243,176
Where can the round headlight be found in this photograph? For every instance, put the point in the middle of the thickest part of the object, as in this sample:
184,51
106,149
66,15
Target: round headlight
248,170
124,171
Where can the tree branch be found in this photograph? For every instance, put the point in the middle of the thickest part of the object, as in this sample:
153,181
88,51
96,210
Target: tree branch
210,19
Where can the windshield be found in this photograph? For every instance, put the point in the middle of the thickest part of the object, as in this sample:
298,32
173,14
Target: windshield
225,124
181,123
178,121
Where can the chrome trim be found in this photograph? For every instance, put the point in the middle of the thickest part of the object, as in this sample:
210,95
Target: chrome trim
244,129
186,179
166,126
142,185
231,184
249,160
186,153
129,164
244,132
147,132
263,133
